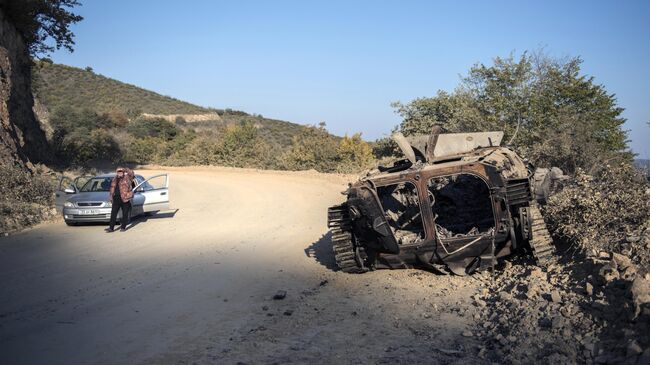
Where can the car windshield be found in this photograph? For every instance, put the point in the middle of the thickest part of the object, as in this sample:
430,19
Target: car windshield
97,184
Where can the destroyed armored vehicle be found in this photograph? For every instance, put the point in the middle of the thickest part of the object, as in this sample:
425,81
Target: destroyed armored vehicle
456,203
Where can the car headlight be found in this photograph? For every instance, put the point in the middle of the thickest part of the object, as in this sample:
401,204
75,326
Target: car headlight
68,204
109,204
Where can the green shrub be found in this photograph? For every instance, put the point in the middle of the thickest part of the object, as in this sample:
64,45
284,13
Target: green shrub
313,148
82,146
142,150
203,150
154,127
180,121
26,198
236,146
354,154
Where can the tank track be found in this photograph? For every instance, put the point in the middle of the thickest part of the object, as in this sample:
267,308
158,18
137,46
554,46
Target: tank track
340,224
541,242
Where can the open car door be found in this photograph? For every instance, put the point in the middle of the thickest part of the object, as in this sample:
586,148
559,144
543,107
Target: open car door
67,187
155,191
63,191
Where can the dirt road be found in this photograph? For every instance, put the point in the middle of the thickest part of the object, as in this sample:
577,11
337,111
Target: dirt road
196,285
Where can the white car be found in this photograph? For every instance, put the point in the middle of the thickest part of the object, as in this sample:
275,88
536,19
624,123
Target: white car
86,199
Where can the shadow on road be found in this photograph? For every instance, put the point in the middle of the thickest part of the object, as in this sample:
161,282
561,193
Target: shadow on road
144,218
321,250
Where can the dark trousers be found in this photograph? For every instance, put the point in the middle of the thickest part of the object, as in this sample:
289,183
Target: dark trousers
126,212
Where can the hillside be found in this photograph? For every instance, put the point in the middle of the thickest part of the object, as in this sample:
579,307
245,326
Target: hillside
57,86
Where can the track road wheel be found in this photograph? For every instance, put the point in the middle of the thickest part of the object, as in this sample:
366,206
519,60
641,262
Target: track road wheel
340,224
541,242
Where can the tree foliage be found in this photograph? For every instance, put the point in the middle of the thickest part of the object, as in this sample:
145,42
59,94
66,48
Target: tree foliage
237,145
82,135
354,154
313,148
153,127
553,114
316,149
38,21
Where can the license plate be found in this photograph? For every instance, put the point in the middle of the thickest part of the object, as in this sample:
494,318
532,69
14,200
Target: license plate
89,211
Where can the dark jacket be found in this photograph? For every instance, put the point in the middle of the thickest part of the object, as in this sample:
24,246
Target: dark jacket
126,185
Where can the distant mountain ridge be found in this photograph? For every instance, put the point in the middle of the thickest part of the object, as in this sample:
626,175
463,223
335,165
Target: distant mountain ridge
56,86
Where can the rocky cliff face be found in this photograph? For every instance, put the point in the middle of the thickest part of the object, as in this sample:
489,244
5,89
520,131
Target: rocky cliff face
21,137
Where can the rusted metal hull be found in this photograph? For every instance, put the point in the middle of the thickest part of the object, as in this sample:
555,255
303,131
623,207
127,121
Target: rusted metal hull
458,214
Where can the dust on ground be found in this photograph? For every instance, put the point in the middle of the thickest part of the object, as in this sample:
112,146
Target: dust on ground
197,284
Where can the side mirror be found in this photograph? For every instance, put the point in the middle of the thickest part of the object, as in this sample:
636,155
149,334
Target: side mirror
69,191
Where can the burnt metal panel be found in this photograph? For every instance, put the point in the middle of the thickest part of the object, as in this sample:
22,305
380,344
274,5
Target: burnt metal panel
518,192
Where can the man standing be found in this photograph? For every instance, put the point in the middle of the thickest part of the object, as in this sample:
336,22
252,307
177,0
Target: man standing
121,193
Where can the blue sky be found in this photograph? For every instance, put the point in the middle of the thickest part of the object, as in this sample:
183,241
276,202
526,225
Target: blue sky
344,62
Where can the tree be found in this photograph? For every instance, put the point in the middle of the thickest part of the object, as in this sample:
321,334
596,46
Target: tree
354,154
37,21
549,111
313,148
153,127
241,146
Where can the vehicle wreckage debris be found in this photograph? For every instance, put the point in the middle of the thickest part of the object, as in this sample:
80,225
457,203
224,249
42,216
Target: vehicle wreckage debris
457,204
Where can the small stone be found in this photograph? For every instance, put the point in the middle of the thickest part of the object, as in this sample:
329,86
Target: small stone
555,296
622,261
265,308
281,294
481,353
608,272
288,312
629,273
633,349
503,341
557,322
589,289
531,292
467,334
504,296
604,255
645,357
